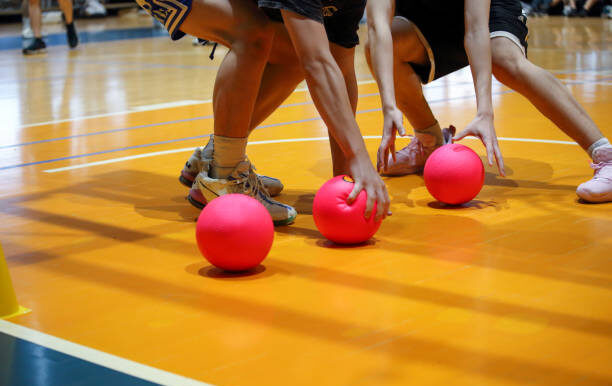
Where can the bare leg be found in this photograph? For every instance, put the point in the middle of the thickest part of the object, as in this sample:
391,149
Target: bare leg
346,61
240,25
544,91
408,50
35,18
66,7
281,76
408,90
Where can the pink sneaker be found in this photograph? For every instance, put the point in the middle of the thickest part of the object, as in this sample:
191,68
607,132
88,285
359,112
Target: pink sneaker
599,188
411,159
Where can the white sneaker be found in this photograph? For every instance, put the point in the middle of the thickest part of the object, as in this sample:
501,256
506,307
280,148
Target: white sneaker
599,188
202,157
242,180
93,8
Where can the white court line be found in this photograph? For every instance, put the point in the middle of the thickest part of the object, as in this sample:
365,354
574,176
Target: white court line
136,109
168,105
149,108
311,139
110,361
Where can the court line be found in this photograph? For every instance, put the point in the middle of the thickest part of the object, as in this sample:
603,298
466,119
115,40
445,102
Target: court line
134,110
211,117
310,139
318,118
100,358
259,127
303,89
205,135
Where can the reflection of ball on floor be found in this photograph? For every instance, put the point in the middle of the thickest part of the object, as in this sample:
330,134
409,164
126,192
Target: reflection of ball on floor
338,221
454,174
235,232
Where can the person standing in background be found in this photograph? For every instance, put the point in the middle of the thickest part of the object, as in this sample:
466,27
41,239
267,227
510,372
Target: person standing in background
37,45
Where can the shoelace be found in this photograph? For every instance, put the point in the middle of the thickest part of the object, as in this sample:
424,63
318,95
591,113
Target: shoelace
599,167
253,185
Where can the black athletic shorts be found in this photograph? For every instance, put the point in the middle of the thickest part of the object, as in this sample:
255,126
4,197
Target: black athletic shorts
340,17
442,29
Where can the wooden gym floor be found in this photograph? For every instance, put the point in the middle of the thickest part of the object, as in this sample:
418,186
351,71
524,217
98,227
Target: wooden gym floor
514,288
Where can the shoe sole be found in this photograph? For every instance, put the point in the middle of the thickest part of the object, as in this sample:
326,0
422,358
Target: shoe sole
185,181
596,199
41,51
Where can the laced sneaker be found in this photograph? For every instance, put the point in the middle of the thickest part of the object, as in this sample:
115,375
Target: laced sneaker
599,188
242,180
36,46
411,159
201,159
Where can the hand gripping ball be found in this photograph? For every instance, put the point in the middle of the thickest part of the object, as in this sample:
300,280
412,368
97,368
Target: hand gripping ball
338,221
454,174
234,232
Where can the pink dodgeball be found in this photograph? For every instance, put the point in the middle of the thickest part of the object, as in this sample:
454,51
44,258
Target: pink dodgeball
454,174
234,232
338,221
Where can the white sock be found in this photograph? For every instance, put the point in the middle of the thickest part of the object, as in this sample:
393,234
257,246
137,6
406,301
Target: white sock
228,152
598,144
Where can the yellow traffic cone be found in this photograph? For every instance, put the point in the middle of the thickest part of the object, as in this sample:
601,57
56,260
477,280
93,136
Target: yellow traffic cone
8,301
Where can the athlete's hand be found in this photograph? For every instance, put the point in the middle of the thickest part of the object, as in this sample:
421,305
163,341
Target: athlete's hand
367,179
482,127
393,124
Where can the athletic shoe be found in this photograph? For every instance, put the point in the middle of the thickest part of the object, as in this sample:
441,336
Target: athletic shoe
599,188
71,35
411,159
242,180
93,8
202,157
36,46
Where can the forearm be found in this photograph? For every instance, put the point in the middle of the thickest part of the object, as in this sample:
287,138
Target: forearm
478,48
381,53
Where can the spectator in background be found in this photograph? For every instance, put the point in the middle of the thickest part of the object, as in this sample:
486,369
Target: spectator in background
37,45
591,8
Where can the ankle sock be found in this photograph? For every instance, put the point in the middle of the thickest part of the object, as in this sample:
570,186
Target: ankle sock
603,142
228,152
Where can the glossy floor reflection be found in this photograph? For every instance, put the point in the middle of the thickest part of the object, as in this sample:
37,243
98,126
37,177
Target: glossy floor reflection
512,288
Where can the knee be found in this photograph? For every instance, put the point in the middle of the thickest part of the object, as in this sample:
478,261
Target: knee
508,67
256,35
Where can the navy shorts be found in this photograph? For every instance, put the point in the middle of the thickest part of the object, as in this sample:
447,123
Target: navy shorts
171,13
442,31
340,17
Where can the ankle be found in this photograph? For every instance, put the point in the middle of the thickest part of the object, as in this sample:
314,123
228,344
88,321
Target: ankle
602,143
228,152
430,136
220,173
